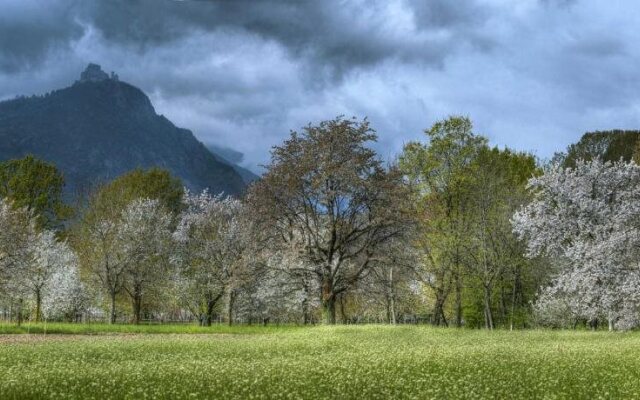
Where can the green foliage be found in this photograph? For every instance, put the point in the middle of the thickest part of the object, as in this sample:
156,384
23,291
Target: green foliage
606,145
467,195
37,186
366,362
153,183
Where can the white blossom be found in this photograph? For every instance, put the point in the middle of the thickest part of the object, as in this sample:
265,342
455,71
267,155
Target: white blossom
588,216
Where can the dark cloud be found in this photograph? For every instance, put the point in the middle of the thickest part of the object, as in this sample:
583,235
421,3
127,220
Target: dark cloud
29,31
532,74
336,35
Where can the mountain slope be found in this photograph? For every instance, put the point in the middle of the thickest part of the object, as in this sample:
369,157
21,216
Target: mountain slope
101,127
232,158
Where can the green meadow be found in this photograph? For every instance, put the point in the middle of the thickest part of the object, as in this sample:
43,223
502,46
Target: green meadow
360,362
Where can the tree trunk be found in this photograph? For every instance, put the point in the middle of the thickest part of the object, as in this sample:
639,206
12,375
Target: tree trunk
488,314
305,311
329,307
328,302
38,305
20,302
516,295
391,299
343,314
232,299
112,317
438,309
610,320
137,306
211,301
458,300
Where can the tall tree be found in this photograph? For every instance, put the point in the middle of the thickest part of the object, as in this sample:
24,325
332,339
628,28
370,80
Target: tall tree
36,186
144,240
96,236
442,170
17,230
498,188
327,193
611,146
588,217
153,183
48,257
214,251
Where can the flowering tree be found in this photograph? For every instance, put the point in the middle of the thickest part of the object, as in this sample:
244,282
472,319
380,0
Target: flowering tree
213,238
589,216
99,254
144,238
16,227
30,260
17,230
65,297
48,257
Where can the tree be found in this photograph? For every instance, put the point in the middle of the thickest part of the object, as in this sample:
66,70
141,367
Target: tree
144,239
48,257
96,237
97,246
611,146
588,217
326,194
153,183
442,171
213,252
498,189
17,230
36,186
66,296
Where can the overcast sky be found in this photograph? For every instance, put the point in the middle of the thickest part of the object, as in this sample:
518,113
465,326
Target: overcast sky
532,74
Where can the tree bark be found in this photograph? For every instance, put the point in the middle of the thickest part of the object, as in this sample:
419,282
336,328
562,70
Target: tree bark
328,302
137,305
232,299
488,314
391,299
305,311
38,305
329,307
211,301
516,295
458,300
112,317
438,312
20,302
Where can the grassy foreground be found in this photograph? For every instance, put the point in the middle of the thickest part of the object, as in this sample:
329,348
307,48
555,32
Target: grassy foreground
102,328
366,362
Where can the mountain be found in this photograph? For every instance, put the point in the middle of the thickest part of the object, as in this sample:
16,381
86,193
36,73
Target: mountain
101,127
233,157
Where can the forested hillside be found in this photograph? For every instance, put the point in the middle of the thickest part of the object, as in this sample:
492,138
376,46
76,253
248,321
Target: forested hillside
99,128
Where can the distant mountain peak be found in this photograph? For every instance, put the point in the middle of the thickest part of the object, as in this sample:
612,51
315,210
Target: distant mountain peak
101,127
94,73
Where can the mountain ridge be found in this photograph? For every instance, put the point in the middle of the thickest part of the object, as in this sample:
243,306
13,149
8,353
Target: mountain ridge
100,127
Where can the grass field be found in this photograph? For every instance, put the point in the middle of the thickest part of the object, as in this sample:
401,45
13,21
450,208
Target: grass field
321,362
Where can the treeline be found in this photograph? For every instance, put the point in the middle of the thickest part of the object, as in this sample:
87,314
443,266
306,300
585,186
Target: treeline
453,233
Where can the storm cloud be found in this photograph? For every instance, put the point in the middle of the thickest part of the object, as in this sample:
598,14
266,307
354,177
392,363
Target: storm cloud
533,74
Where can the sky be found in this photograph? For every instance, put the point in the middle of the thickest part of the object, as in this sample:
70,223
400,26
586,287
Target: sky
533,75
